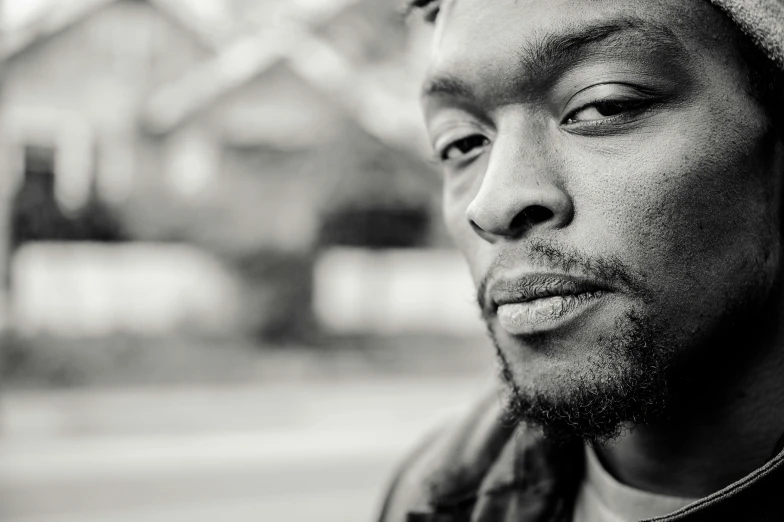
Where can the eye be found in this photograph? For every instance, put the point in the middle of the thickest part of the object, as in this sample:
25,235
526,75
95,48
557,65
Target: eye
464,148
603,110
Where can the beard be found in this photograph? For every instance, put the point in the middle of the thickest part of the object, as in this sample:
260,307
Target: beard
644,372
625,382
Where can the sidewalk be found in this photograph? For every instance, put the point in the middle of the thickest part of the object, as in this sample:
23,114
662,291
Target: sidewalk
283,453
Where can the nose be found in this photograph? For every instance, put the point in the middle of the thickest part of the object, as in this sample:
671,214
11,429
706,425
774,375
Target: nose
518,194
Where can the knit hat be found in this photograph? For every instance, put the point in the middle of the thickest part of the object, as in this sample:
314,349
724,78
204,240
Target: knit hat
762,20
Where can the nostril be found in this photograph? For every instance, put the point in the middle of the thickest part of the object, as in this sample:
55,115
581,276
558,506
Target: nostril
531,216
538,214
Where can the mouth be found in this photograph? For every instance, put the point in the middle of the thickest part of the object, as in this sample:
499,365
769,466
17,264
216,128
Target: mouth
540,302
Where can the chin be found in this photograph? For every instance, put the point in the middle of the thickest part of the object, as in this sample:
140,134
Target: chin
578,383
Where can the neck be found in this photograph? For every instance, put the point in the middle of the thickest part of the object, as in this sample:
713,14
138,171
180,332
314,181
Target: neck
728,420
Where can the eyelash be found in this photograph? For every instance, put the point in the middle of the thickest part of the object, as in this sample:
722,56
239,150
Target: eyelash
442,155
625,106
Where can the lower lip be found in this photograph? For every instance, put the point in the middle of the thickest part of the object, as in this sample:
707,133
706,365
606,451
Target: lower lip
546,313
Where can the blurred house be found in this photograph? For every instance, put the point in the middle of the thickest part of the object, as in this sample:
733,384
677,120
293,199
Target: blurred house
287,138
260,147
74,82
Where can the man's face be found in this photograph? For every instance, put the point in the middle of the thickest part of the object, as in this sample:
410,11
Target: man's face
614,186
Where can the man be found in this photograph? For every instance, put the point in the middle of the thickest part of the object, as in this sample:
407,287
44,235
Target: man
613,173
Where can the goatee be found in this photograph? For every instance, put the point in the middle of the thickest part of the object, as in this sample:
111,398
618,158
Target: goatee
625,383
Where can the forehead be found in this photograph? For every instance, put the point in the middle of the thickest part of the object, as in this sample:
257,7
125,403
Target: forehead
476,36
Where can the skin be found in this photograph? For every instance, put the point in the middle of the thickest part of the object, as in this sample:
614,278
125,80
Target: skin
643,150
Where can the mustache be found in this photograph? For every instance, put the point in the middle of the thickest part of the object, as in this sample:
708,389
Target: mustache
553,257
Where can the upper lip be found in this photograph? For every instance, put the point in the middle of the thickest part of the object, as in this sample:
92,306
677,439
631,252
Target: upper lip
536,286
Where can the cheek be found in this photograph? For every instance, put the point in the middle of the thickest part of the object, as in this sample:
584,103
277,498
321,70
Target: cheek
456,199
699,222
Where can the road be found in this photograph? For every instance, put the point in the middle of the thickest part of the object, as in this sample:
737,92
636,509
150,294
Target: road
316,452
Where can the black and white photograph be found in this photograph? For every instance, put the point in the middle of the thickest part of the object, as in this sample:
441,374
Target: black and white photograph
391,260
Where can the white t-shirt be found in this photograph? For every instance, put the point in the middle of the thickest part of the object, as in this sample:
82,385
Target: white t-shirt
601,498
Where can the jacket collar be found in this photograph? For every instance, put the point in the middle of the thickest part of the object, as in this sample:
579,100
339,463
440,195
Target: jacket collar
491,472
757,496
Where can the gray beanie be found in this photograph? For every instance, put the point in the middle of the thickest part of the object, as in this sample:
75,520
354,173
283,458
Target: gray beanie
762,20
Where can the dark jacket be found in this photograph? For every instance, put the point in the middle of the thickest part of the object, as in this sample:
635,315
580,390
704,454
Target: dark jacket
481,470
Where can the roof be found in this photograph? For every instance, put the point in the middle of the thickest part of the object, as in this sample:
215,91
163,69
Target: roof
62,15
372,102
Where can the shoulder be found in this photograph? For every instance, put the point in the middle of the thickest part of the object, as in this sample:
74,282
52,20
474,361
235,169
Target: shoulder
450,463
483,465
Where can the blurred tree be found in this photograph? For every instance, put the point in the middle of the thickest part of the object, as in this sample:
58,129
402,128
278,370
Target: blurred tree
368,32
36,214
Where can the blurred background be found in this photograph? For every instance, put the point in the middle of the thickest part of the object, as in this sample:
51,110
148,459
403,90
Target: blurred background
226,290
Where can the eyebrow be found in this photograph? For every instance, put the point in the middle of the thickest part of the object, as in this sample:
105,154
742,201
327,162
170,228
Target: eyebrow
556,51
